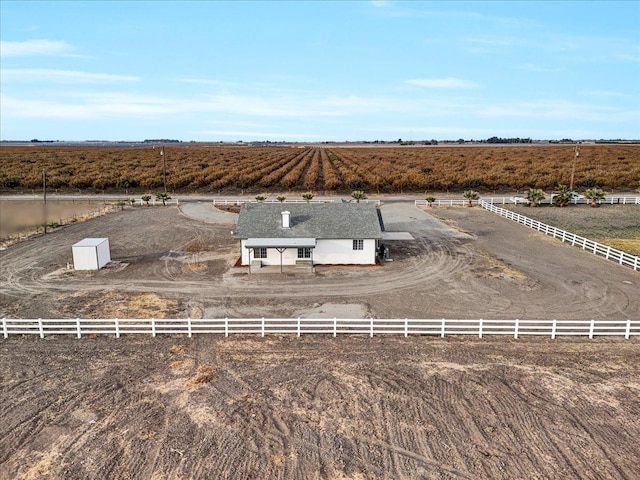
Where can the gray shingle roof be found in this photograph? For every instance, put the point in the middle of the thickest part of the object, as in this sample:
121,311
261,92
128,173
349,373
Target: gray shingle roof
308,220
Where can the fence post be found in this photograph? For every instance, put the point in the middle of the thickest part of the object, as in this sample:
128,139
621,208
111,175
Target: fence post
79,334
515,331
442,330
153,327
371,334
553,329
226,327
189,326
263,326
335,326
591,329
117,328
626,334
5,332
298,325
406,327
40,327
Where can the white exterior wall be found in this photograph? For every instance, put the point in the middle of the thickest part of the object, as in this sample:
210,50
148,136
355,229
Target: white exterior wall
91,254
333,251
104,253
327,251
289,256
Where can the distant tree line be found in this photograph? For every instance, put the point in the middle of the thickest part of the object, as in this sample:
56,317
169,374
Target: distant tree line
508,140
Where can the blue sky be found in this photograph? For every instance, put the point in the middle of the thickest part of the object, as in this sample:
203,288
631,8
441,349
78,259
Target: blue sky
319,71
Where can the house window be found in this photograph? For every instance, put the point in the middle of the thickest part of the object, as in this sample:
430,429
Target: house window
358,244
260,253
304,253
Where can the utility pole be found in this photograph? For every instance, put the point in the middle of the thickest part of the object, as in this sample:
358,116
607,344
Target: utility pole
164,168
44,197
573,167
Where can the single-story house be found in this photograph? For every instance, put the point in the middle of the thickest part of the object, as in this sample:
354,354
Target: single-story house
308,233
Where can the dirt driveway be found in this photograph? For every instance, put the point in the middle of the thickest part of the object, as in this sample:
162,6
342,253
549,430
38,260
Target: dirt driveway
464,263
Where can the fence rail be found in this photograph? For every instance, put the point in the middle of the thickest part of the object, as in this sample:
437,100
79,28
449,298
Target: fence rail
240,201
154,202
307,326
591,246
508,201
446,202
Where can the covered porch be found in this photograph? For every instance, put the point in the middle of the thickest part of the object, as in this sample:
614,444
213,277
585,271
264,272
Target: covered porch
279,254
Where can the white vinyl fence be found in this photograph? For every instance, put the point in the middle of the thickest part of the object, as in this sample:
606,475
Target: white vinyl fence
446,202
507,201
240,201
591,246
306,326
154,202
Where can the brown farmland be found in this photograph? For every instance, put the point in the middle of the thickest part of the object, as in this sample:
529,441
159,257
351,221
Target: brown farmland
319,408
229,169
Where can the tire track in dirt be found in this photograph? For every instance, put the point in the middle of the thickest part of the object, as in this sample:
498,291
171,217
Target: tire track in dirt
308,408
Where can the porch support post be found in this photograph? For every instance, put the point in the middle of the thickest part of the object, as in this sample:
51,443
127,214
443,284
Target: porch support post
280,249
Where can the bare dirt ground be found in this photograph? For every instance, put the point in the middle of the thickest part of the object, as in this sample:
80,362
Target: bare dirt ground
466,263
317,407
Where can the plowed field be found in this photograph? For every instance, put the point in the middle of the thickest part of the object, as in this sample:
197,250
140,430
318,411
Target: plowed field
319,408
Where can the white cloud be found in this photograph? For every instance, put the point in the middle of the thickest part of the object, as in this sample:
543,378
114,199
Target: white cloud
34,47
118,104
531,67
558,109
13,108
448,82
92,106
62,76
601,93
256,134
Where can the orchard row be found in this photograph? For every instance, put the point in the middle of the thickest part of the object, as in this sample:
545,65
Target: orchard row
220,169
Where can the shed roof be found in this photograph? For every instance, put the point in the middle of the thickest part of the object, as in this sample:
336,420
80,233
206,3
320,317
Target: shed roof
90,242
309,220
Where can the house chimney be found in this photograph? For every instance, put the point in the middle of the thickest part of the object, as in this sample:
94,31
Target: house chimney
285,219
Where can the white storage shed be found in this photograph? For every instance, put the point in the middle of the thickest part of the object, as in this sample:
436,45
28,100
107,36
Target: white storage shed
91,254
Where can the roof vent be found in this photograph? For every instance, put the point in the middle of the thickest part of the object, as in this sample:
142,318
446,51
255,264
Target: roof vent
285,219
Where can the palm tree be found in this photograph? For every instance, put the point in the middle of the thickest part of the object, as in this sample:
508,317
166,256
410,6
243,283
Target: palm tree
307,196
358,195
595,195
260,198
145,198
429,199
535,196
471,195
164,196
562,197
281,198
